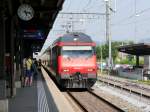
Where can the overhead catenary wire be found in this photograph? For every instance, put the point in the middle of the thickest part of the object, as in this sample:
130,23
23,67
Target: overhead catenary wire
80,15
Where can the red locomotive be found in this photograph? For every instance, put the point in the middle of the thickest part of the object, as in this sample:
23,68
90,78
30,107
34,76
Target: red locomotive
73,61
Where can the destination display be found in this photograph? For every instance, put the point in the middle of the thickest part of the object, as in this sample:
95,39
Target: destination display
33,34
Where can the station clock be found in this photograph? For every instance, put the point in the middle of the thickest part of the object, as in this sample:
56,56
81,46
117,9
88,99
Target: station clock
25,12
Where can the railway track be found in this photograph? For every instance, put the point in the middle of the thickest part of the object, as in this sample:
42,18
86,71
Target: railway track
88,101
128,86
80,99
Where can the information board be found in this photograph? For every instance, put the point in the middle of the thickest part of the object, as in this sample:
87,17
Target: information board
33,34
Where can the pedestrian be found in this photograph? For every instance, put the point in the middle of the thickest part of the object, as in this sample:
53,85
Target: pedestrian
35,62
28,78
39,65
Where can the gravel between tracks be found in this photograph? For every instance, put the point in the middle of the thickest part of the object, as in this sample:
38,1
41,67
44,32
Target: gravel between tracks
125,102
125,80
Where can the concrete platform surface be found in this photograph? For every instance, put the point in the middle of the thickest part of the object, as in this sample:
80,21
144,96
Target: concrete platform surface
42,96
25,100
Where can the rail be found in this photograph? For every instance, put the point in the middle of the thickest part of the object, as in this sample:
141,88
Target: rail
112,105
120,85
78,102
79,99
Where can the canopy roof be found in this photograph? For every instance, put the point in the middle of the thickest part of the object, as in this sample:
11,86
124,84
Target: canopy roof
139,49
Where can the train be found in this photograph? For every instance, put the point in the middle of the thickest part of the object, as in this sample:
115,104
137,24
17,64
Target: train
72,60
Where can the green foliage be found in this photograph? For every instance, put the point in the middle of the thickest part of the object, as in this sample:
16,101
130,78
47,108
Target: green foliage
130,60
144,82
105,50
98,52
141,62
127,61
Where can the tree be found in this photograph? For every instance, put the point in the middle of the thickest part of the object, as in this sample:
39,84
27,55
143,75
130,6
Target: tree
105,50
98,52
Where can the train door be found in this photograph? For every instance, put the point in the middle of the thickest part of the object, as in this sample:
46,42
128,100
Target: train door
50,56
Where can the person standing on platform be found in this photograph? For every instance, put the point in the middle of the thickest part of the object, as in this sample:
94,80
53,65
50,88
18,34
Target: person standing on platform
29,74
39,65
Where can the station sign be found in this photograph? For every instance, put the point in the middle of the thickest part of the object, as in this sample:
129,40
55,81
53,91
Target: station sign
37,34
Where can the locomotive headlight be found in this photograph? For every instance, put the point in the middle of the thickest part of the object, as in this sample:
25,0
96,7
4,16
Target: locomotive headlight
90,69
65,70
75,39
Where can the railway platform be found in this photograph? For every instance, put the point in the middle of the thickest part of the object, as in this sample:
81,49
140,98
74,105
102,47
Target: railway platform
42,96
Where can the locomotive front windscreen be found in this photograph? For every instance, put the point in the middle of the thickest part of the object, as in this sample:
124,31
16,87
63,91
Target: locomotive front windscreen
77,51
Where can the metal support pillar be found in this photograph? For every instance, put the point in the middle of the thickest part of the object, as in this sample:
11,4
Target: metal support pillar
101,60
17,53
12,57
2,59
108,38
137,60
107,21
2,48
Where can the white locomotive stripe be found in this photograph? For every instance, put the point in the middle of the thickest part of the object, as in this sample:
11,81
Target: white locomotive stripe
76,48
42,101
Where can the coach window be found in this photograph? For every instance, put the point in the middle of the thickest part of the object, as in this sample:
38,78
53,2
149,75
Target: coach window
54,57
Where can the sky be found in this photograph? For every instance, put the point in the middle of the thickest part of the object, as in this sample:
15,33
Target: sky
129,21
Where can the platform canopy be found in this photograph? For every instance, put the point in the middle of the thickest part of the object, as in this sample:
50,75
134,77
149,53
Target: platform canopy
139,49
34,31
45,11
